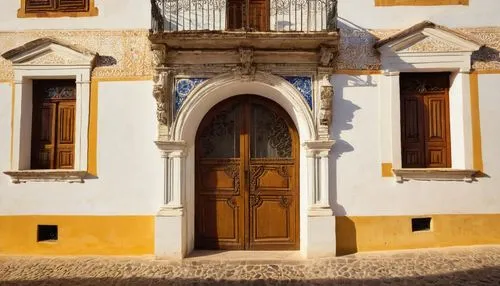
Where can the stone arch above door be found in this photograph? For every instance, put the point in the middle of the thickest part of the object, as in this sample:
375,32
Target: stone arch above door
174,235
209,93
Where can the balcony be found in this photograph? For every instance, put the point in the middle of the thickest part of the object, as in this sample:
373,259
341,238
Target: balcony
261,24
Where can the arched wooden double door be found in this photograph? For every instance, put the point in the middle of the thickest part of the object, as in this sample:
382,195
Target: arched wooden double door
247,186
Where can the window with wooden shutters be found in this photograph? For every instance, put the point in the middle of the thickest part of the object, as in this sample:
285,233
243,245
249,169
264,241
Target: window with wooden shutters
53,127
425,120
57,8
250,15
57,5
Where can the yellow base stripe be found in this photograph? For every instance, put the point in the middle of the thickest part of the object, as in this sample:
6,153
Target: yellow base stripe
373,233
420,2
79,235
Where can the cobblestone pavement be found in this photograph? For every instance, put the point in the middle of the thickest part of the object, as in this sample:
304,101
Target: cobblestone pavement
449,266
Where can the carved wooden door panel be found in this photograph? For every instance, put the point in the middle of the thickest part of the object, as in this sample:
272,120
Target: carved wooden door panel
274,197
247,177
219,200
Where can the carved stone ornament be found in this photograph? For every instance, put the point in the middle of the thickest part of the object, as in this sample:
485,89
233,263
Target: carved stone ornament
326,56
161,93
247,67
159,54
325,112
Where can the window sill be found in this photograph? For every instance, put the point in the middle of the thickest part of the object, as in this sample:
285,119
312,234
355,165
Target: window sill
24,176
434,175
91,13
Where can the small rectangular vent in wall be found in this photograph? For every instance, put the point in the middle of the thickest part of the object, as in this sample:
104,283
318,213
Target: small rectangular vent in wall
47,233
421,224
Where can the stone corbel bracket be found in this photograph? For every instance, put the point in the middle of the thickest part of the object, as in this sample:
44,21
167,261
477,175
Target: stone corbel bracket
159,55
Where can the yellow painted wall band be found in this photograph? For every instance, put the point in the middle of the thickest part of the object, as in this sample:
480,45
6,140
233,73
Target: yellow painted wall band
79,235
387,170
420,2
13,98
373,233
476,123
92,143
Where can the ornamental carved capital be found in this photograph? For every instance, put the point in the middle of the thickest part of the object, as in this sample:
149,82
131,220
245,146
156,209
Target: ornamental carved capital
162,93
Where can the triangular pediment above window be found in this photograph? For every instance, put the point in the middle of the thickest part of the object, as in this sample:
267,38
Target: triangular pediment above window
427,37
49,52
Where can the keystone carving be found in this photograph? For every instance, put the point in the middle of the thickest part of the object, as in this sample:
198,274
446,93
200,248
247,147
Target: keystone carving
162,93
326,56
247,67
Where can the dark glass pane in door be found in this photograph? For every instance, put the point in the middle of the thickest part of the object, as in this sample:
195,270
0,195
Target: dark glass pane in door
269,134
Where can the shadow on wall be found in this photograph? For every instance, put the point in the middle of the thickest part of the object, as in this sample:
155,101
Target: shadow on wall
343,115
481,276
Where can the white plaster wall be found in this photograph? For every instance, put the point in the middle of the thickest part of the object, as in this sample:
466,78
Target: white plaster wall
113,14
130,169
358,187
363,13
5,128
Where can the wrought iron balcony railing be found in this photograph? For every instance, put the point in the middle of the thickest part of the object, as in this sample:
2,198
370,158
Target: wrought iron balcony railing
244,15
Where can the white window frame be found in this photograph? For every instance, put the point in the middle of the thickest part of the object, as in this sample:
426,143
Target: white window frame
458,63
24,74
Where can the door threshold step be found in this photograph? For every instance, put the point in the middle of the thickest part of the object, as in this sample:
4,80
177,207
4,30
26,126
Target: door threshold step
244,256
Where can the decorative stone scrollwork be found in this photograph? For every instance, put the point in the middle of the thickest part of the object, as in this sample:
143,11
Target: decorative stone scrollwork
159,53
325,116
162,93
247,67
326,106
326,56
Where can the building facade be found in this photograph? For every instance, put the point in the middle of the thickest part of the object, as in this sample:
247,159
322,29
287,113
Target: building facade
322,126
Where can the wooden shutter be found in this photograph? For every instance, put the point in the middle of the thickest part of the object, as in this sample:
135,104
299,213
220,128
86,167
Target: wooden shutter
235,14
248,14
53,126
40,5
73,5
425,120
43,135
65,137
258,15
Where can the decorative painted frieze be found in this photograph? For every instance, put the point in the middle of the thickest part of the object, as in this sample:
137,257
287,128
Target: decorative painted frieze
121,54
183,87
304,85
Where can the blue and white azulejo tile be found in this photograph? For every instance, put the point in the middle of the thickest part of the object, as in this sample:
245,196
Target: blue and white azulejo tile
183,87
304,85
